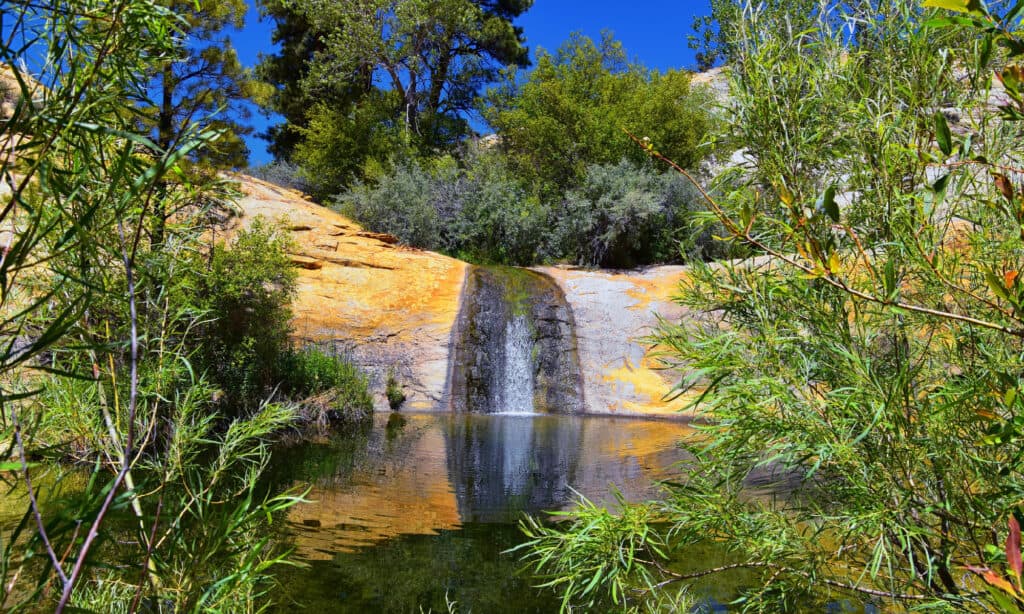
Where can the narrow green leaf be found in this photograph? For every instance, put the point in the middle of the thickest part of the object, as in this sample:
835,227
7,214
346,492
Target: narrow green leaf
996,285
1014,14
942,134
827,202
959,6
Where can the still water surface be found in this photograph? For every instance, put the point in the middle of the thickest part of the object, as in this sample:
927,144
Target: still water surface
424,505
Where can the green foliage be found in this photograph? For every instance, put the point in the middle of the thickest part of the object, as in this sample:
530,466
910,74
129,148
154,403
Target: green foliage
716,36
247,292
571,111
280,84
405,204
311,372
865,366
480,212
621,215
341,149
363,77
394,392
282,173
201,83
600,559
100,333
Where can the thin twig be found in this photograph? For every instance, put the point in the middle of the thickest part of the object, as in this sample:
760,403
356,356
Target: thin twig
828,278
33,502
130,436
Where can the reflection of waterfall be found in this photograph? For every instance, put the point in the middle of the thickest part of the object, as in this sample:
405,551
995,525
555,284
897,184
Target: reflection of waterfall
502,466
515,346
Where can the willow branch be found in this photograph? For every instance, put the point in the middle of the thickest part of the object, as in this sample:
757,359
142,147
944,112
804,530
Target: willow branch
831,280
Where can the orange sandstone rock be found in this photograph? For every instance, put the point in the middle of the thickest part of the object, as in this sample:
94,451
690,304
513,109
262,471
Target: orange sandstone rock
389,308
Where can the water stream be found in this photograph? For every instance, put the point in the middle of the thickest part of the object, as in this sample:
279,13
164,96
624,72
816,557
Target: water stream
515,349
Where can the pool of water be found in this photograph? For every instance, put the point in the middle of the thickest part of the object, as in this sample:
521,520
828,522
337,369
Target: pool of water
422,507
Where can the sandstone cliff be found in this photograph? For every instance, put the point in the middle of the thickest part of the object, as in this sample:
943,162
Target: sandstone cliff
394,308
389,307
615,311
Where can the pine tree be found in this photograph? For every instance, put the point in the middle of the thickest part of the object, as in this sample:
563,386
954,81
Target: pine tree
426,62
201,87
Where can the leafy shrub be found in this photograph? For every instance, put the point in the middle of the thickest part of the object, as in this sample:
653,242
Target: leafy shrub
623,216
394,392
479,212
247,293
310,372
282,173
404,203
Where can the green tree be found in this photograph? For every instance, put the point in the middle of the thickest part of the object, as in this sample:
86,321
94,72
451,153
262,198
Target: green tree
865,366
282,88
572,108
362,83
435,56
202,83
199,85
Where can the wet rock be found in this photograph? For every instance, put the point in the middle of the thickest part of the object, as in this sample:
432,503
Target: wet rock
615,312
516,346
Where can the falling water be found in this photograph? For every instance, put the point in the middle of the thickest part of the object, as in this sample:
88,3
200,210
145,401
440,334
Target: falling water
515,346
517,386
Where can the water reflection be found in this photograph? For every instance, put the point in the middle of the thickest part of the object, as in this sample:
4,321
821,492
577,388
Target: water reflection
501,466
426,505
437,472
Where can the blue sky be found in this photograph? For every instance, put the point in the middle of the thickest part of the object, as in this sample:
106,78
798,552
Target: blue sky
653,32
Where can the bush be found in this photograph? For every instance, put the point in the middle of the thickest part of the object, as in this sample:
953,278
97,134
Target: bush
394,392
405,203
247,292
310,372
282,173
624,216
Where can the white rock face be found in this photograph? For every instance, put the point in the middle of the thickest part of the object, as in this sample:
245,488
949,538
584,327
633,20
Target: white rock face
615,311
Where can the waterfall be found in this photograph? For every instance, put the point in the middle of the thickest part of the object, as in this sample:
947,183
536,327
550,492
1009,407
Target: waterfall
517,384
515,350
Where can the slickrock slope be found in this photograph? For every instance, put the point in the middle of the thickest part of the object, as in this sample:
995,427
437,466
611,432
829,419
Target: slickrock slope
614,312
389,307
393,308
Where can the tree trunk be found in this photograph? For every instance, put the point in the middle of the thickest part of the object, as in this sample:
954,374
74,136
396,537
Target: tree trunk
165,139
